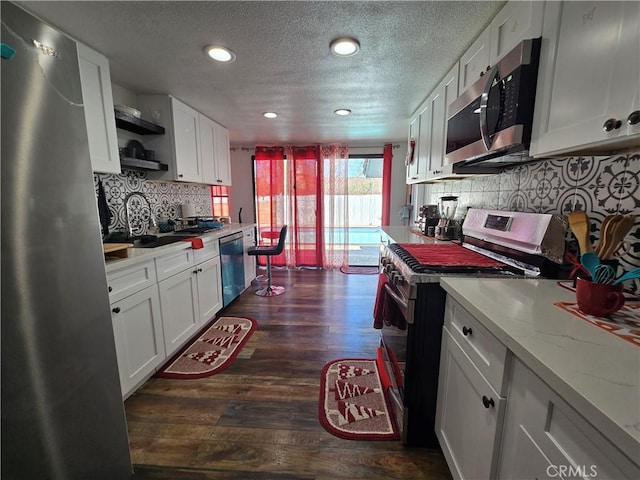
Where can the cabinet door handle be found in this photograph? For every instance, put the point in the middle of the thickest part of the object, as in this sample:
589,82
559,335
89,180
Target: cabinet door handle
199,270
195,271
611,124
116,310
180,175
466,331
488,402
634,118
110,289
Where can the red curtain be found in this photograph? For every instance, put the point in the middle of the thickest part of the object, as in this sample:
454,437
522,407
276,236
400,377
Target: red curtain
387,157
270,178
306,207
288,193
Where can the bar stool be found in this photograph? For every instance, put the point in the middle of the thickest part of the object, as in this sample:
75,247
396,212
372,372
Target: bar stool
269,251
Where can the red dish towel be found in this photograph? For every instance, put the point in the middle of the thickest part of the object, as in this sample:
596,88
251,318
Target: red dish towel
196,243
385,309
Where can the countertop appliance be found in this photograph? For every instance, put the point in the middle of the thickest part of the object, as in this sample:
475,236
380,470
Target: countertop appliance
491,121
428,218
448,227
62,411
495,244
232,266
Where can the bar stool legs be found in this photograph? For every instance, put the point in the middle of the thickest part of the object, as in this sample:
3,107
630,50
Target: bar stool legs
269,290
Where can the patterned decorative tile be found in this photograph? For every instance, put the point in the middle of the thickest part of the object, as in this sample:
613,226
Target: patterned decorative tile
491,183
165,198
630,187
603,182
510,178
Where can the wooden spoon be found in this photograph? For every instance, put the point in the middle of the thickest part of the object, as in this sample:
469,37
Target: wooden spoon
579,223
605,233
620,230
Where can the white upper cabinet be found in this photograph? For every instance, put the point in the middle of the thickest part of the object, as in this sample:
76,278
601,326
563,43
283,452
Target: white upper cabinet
186,135
476,60
207,149
216,158
98,110
516,21
412,152
444,94
424,140
588,95
196,148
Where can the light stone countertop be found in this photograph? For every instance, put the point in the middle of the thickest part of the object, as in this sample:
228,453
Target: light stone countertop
406,235
138,255
594,371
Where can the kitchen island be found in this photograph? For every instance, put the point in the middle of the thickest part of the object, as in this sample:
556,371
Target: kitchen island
586,369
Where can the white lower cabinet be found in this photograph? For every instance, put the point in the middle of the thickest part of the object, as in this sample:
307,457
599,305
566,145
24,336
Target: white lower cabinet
209,279
544,437
536,434
191,295
137,328
469,415
179,301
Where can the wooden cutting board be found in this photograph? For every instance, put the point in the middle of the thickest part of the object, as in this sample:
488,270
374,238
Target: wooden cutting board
120,250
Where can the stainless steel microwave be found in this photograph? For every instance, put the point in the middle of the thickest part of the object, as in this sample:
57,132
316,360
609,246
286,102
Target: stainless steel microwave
491,121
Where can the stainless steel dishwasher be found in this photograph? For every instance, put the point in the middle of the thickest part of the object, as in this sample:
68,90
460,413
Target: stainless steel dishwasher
232,266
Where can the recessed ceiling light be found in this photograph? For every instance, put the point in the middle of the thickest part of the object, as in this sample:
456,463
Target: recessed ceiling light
220,54
270,114
344,46
342,112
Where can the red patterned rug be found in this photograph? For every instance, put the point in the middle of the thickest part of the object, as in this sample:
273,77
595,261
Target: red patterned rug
211,352
352,402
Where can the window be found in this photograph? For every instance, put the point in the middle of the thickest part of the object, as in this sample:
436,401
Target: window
220,201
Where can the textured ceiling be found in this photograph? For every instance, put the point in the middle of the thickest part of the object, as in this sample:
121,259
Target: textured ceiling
283,60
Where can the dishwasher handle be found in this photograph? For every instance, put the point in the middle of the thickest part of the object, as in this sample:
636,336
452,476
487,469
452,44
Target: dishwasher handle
230,238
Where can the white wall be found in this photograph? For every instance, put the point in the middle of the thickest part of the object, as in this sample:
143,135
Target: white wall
241,192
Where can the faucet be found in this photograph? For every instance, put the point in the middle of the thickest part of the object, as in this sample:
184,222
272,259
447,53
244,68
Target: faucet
127,215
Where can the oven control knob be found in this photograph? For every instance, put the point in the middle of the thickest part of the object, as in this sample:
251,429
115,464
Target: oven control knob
398,279
388,268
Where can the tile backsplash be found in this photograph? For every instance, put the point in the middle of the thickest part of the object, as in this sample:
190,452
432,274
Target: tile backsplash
165,197
600,186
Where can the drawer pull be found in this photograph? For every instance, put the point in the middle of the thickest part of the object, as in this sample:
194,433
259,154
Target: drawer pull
110,289
466,331
116,310
488,402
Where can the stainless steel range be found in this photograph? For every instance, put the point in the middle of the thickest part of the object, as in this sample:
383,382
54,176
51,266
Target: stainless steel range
410,302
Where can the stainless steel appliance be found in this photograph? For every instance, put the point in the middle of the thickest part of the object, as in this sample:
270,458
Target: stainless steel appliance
232,266
448,227
62,410
428,218
491,121
495,244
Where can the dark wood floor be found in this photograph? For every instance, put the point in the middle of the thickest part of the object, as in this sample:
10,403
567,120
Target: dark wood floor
258,419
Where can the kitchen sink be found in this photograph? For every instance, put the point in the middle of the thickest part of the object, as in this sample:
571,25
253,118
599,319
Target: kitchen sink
160,241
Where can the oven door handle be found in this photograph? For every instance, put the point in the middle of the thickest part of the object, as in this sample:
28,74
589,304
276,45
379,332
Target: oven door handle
397,298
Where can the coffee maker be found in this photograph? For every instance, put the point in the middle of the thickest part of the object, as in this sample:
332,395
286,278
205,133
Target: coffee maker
428,219
447,228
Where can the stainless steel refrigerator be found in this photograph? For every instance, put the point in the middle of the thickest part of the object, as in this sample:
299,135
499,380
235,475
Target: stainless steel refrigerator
62,410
